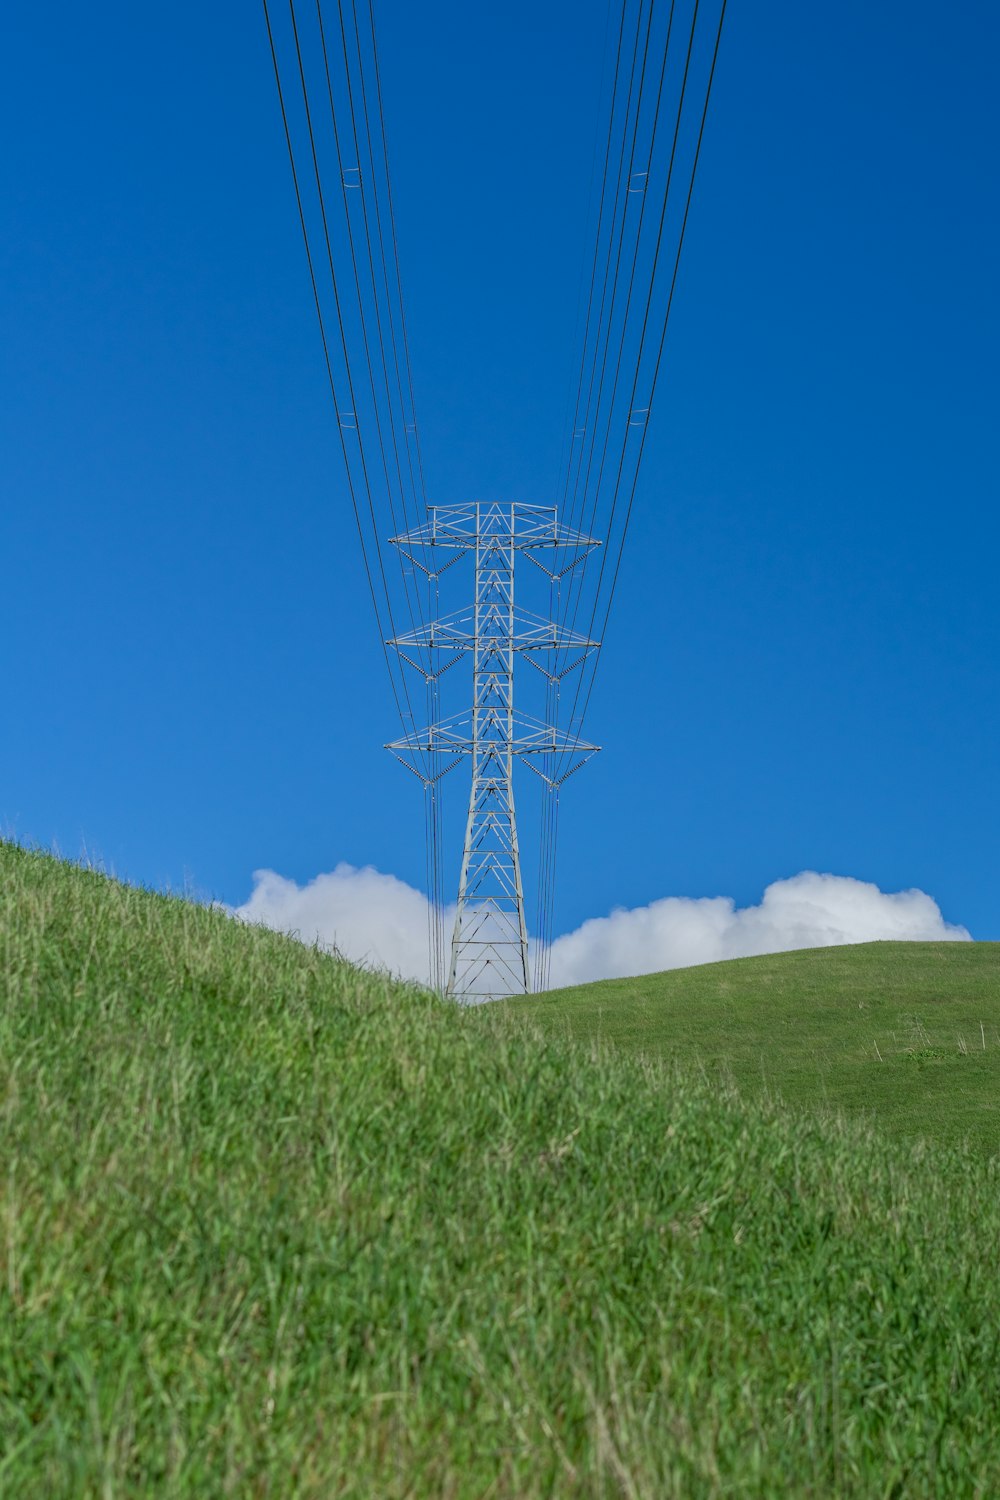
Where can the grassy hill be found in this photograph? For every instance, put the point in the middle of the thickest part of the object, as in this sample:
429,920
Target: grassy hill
907,1034
270,1226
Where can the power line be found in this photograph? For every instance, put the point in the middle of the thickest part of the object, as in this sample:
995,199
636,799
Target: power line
387,393
368,180
326,351
597,246
656,370
605,328
435,882
571,517
326,348
546,859
579,582
386,354
588,669
649,302
357,287
383,262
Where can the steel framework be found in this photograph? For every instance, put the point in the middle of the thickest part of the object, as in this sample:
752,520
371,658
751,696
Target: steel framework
489,950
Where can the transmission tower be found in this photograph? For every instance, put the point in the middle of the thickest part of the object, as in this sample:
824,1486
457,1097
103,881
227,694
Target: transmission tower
489,949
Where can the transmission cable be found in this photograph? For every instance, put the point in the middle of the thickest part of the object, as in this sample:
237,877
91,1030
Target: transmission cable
587,432
432,798
436,891
656,371
361,300
366,180
578,583
611,233
326,352
552,687
616,244
590,674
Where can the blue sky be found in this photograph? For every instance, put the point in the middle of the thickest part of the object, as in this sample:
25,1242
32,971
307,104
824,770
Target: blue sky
802,665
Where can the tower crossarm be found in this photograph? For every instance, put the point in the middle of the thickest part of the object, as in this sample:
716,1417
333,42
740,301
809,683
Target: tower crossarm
530,529
458,632
459,736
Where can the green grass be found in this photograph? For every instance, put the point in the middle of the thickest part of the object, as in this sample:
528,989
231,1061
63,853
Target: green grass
270,1226
907,1034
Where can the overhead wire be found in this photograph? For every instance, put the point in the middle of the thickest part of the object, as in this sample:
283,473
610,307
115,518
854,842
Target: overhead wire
432,797
585,681
370,178
580,716
370,548
623,198
369,365
565,460
579,581
579,430
373,180
597,245
637,243
585,421
382,325
330,378
418,488
595,395
567,420
393,386
340,322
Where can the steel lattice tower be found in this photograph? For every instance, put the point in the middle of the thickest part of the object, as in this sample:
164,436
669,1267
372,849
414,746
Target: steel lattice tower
489,951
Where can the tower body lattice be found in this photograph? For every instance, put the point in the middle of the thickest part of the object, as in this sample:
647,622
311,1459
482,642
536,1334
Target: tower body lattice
489,951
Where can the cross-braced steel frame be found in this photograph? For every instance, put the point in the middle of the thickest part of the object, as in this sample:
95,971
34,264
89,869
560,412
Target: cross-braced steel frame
489,950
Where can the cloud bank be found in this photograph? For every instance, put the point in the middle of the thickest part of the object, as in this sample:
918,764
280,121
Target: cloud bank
369,917
806,911
376,919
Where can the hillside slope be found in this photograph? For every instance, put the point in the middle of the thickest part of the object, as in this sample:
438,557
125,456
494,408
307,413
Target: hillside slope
275,1227
908,1033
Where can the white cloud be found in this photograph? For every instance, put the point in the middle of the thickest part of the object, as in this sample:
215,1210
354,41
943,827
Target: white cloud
367,916
806,911
377,919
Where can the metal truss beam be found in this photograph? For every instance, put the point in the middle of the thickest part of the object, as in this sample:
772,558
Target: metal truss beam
489,953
